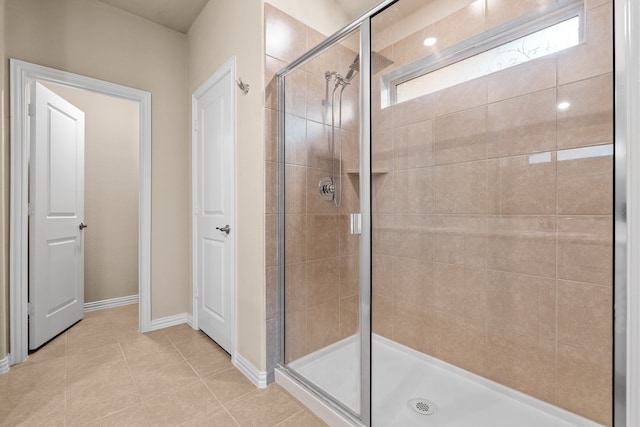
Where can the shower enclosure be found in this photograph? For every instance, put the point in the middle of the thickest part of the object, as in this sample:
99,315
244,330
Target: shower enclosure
445,218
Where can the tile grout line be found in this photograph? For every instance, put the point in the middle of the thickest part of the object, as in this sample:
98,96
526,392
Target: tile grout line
222,405
290,417
135,384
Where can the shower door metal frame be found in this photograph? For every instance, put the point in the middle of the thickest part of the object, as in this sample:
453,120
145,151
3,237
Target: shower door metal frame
626,315
364,24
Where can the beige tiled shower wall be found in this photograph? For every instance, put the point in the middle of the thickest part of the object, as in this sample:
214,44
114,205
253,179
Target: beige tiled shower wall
493,218
321,256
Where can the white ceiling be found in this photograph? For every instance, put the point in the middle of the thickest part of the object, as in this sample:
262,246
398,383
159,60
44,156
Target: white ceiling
180,14
175,14
355,8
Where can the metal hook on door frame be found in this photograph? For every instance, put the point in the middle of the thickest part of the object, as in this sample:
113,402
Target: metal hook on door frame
243,86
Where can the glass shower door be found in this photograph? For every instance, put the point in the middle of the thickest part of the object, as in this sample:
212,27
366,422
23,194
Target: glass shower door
319,171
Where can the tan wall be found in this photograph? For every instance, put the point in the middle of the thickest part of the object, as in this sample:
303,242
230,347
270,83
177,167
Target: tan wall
93,39
4,192
111,193
224,29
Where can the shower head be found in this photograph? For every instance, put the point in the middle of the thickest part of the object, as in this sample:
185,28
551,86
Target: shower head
378,63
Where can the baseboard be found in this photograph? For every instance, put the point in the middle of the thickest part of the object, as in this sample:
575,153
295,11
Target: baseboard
258,378
190,320
4,365
165,322
110,303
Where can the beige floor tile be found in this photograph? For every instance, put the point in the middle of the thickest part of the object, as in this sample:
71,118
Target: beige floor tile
204,355
102,372
92,402
124,329
42,411
80,365
199,346
125,311
89,334
162,380
99,392
219,418
209,364
149,351
97,314
182,405
302,418
88,343
263,407
181,332
114,373
135,416
32,381
55,348
229,385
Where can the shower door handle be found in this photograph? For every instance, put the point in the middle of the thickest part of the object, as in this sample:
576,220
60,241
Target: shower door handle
356,224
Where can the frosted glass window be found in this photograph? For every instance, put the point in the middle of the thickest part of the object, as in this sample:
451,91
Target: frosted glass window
541,43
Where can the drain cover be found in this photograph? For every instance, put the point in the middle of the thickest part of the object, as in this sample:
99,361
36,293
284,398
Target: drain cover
422,406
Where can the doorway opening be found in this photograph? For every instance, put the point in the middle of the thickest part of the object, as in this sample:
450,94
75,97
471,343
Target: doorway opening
23,76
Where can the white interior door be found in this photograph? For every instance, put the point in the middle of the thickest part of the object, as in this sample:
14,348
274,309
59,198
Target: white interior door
56,194
214,198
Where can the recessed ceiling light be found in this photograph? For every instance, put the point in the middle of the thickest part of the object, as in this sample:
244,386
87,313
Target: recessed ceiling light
563,105
430,41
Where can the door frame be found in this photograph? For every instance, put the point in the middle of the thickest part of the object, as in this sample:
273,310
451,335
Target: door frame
229,67
22,74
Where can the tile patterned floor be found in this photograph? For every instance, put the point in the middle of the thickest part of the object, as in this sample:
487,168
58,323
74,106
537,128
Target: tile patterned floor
102,372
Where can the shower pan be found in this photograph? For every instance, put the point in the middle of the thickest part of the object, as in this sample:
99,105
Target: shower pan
445,216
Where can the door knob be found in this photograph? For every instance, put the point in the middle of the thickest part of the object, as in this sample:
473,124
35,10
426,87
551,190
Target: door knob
82,226
226,229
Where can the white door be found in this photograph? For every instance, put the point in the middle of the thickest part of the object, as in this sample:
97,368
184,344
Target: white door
56,195
214,205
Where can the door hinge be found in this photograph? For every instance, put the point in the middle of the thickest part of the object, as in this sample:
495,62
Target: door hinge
29,209
31,110
195,125
29,309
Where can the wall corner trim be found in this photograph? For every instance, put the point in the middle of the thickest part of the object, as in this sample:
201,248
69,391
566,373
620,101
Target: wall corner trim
165,322
110,303
257,377
4,365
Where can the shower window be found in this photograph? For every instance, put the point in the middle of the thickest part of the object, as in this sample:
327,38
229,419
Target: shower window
513,43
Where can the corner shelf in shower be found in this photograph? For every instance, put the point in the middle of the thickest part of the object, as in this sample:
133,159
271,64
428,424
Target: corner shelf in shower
374,172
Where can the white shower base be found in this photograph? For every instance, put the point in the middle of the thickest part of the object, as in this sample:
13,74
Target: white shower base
462,399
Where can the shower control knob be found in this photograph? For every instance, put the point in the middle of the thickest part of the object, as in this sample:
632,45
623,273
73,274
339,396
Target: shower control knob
327,188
